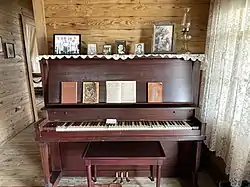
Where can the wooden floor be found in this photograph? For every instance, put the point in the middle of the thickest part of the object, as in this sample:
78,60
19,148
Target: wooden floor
20,166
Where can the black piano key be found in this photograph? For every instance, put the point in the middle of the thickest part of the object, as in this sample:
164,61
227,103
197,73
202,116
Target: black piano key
84,123
165,124
76,124
68,124
181,122
171,123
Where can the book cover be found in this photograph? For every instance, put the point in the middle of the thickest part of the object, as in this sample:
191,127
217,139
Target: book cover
154,92
121,91
90,92
68,92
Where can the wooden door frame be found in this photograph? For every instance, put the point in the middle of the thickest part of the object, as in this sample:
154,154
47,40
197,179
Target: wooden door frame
24,21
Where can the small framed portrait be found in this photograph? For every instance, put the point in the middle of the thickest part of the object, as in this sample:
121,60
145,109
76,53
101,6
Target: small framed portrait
120,47
10,50
1,44
92,50
163,38
139,49
107,49
66,44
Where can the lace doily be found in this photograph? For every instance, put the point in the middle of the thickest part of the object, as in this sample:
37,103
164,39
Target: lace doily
193,57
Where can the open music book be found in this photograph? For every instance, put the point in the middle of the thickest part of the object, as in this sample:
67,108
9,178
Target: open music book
121,91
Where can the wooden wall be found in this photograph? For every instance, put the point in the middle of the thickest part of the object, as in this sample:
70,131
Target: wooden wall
104,21
15,101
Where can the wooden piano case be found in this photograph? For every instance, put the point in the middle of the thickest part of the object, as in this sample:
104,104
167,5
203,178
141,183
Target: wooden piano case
61,152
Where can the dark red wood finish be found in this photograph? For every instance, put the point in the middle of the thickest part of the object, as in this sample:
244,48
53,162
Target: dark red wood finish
120,153
181,82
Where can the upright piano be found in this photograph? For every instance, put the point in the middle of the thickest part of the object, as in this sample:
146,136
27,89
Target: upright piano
67,128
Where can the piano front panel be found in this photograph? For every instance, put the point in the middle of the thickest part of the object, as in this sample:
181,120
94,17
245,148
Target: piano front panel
81,114
178,160
176,76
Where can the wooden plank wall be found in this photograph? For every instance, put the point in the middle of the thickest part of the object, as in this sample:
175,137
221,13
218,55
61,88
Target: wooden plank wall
15,100
104,21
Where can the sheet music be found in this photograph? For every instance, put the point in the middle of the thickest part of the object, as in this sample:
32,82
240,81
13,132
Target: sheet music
113,92
128,91
121,91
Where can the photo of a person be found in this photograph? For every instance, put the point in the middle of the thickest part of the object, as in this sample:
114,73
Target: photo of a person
107,49
92,49
139,49
163,38
66,44
120,47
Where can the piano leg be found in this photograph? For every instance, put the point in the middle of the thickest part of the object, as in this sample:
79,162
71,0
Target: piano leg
94,178
44,151
151,173
89,175
158,176
197,163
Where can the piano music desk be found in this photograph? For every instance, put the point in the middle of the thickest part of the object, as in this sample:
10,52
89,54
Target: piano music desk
124,153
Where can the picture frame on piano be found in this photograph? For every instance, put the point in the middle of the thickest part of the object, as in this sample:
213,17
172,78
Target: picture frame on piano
163,38
66,44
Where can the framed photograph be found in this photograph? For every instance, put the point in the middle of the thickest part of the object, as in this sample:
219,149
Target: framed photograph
92,50
1,44
67,44
107,49
10,50
139,49
163,38
120,47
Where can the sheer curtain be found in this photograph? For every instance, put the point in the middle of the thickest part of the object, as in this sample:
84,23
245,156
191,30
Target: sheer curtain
225,102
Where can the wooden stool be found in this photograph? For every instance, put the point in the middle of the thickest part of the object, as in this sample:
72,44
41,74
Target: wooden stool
124,153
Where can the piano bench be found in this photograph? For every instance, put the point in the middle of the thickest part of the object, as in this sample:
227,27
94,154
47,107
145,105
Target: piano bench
124,153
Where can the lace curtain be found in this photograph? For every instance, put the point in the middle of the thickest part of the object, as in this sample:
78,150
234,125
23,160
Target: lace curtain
225,105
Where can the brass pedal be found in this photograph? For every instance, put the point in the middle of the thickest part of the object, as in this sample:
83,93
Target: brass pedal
122,176
127,178
116,177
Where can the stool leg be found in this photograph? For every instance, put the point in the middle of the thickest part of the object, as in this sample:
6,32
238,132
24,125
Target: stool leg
158,177
151,173
89,176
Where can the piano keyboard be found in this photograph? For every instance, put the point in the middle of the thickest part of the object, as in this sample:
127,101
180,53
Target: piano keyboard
120,126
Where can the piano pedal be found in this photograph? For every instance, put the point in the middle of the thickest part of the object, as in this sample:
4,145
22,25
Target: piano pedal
116,177
127,178
122,176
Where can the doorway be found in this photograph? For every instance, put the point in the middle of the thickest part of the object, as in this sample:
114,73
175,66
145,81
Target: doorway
33,66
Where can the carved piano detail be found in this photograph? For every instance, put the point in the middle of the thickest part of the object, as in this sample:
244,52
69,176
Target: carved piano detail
64,134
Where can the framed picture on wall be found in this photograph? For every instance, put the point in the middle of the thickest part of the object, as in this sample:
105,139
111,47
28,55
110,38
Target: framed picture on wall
163,38
139,49
1,44
107,49
10,50
120,47
67,44
92,49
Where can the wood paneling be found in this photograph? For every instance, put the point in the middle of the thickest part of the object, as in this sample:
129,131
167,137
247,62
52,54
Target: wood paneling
15,101
131,20
41,34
